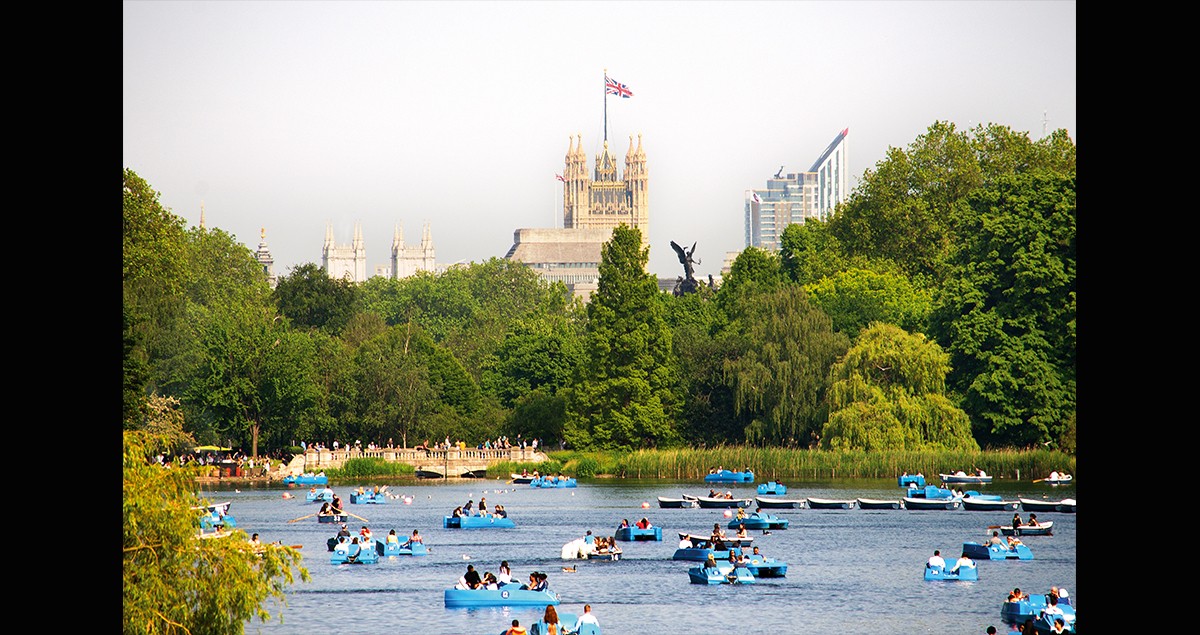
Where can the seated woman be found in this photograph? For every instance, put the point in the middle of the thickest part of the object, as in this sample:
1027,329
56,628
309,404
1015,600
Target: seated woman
392,538
1013,542
710,562
742,531
325,511
625,524
1016,521
1033,521
458,512
644,523
500,511
416,537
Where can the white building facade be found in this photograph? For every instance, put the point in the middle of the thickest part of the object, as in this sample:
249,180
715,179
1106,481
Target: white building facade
797,196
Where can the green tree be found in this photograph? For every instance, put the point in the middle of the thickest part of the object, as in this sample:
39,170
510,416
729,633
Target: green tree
856,297
135,375
755,272
311,299
1007,315
393,387
888,394
809,252
779,377
174,583
623,398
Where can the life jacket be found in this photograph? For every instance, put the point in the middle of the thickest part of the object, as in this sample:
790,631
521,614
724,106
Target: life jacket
515,630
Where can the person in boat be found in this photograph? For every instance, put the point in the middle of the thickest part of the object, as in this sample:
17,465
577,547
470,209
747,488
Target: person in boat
470,579
588,538
729,495
733,558
996,540
313,490
392,538
327,493
325,511
685,542
467,509
644,523
500,511
935,561
336,507
414,538
540,583
1053,475
1052,606
980,473
457,513
963,562
343,531
353,550
712,493
1017,595
960,473
625,524
741,513
489,582
718,543
586,618
912,485
1013,543
1016,521
255,541
550,617
742,531
516,629
1059,626
757,513
717,532
743,560
710,562
505,575
364,534
1033,521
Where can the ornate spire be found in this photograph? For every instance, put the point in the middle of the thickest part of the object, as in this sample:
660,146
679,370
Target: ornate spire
426,237
201,214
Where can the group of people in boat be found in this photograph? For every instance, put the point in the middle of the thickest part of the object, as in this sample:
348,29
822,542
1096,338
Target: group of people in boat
470,510
728,495
937,562
644,523
553,625
1033,521
332,508
1056,597
472,580
1010,542
721,468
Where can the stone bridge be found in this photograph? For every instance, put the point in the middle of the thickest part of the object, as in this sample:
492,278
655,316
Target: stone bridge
453,463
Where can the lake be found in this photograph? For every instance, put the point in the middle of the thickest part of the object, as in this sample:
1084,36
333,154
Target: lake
849,571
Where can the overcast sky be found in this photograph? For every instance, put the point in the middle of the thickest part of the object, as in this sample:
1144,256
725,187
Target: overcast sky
290,116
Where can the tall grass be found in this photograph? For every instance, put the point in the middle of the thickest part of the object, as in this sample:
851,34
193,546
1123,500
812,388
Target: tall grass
767,464
784,463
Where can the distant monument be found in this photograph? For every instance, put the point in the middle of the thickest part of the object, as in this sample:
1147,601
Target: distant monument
686,284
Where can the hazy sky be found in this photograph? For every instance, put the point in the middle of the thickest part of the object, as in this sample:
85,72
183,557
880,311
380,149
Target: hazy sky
289,116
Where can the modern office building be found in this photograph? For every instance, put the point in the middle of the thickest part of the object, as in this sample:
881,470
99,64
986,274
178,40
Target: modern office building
797,196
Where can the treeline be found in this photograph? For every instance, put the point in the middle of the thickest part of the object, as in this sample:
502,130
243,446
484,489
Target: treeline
935,311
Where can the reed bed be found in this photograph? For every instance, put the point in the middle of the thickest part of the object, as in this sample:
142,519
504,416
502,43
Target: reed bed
803,464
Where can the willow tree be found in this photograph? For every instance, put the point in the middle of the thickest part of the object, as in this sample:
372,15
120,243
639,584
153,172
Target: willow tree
174,583
623,396
888,394
779,378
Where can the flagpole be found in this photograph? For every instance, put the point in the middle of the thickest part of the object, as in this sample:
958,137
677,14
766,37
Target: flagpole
606,104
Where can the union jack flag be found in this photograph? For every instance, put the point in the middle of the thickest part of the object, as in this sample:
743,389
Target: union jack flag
560,177
613,87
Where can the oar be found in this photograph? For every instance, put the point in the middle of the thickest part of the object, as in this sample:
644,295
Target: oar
301,518
1038,480
994,526
356,516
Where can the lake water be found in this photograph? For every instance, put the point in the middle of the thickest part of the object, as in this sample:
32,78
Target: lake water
849,571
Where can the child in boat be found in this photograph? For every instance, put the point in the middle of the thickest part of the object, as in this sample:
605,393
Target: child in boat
644,523
516,629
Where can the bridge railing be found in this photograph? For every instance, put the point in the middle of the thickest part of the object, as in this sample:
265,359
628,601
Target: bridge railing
335,458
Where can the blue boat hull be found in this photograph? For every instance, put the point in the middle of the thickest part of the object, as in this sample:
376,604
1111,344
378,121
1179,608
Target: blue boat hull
346,553
772,489
979,551
397,549
306,479
633,533
726,476
700,554
476,522
318,497
720,575
943,573
756,522
766,567
508,595
918,479
368,499
551,482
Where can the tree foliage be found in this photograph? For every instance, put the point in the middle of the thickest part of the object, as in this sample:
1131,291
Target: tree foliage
174,583
623,397
888,393
311,299
856,297
1007,316
779,377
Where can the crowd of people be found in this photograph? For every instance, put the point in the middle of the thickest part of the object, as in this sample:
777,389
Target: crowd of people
482,510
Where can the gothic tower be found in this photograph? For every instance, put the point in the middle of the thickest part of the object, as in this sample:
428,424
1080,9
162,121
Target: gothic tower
606,200
345,261
407,261
263,255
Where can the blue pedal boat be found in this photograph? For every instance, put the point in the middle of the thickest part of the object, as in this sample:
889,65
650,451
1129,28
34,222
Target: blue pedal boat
306,479
633,533
216,517
701,546
319,496
764,567
944,573
771,488
477,522
726,476
352,553
368,498
930,491
979,551
916,479
401,548
760,521
1032,607
720,574
550,481
507,595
